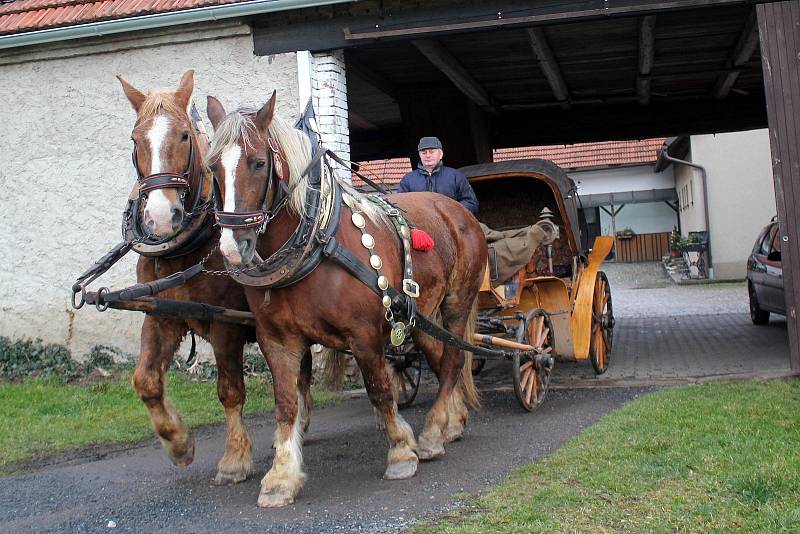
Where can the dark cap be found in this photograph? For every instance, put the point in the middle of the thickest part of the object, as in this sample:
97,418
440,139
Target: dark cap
428,142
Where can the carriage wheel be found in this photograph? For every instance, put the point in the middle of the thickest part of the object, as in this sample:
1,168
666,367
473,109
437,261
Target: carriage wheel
407,368
531,372
602,325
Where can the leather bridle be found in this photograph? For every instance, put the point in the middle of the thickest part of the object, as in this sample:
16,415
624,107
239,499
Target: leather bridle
260,218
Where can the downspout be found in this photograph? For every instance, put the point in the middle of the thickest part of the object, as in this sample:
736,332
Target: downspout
704,177
157,20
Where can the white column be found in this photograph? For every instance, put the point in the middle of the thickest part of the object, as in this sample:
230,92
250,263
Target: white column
329,91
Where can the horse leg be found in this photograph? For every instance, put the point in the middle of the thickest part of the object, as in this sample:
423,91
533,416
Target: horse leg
237,462
304,383
160,339
283,481
402,461
439,428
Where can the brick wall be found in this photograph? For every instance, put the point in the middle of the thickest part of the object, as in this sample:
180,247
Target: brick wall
329,90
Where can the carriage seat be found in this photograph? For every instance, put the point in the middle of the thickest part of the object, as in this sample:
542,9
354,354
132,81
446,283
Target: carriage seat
511,250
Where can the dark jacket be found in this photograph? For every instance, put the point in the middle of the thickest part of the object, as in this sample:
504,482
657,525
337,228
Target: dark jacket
445,180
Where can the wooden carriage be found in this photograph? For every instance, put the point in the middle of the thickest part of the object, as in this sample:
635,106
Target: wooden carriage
559,303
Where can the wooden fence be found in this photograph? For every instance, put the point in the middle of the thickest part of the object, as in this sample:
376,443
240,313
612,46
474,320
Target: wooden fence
643,247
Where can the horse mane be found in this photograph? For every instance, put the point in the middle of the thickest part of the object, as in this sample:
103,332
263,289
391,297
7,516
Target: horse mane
295,148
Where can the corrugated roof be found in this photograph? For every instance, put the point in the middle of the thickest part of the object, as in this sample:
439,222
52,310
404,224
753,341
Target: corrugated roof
577,156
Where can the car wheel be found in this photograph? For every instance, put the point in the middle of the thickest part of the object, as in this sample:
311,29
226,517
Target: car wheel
757,315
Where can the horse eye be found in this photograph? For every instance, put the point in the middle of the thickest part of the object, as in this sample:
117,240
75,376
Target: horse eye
184,136
260,164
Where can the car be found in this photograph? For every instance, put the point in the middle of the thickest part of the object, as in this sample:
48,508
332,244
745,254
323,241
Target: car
765,275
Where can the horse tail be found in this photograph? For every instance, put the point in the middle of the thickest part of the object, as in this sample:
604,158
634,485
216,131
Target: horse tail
471,395
334,364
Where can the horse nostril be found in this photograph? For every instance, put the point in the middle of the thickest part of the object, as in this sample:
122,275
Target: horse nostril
177,217
244,245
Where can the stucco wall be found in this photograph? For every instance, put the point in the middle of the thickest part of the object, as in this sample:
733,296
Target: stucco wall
741,194
65,162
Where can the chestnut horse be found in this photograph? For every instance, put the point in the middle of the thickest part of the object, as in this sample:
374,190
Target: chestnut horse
166,146
332,307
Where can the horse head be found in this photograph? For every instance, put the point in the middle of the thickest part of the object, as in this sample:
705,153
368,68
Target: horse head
165,154
252,151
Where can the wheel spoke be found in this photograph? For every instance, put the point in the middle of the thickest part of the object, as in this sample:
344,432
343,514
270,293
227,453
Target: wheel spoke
524,366
542,338
531,387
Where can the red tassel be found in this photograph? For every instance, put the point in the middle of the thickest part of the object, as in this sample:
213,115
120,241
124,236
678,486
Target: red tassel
420,240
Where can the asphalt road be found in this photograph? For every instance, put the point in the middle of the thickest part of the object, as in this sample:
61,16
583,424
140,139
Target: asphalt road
139,490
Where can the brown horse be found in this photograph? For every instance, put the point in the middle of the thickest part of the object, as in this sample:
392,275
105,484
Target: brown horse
332,307
166,147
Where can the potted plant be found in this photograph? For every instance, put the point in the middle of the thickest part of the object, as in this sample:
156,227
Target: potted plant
625,233
674,243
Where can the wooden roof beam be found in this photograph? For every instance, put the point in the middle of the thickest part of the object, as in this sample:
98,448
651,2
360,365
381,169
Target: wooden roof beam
369,76
455,71
745,46
360,122
549,65
647,52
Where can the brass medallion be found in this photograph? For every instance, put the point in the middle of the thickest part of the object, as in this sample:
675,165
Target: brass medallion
375,261
398,334
383,283
358,220
368,241
387,301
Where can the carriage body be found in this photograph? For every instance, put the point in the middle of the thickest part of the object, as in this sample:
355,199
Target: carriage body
574,295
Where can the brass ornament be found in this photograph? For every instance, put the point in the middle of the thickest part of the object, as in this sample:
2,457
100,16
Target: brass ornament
358,220
375,261
383,283
398,334
368,241
387,301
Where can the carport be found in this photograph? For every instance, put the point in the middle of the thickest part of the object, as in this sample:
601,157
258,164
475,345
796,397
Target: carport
501,74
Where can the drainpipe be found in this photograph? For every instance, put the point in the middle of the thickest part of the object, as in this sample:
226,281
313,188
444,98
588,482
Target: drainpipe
158,20
704,177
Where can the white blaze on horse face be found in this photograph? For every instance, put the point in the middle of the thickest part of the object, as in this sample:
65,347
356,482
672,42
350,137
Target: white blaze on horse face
158,206
227,243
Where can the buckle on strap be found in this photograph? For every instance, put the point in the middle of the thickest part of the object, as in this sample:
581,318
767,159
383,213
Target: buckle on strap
410,288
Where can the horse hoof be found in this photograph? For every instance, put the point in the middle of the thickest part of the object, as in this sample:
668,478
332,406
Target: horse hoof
401,470
274,500
183,459
430,451
453,434
229,479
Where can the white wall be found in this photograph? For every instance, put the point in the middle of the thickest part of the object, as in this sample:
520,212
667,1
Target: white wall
741,194
65,164
619,179
645,218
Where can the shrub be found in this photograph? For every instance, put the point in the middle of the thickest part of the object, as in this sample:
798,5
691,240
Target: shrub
33,358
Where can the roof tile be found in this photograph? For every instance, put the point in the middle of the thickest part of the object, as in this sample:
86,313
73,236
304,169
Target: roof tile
577,156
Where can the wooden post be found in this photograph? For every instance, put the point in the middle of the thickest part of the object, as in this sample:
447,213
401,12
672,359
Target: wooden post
779,31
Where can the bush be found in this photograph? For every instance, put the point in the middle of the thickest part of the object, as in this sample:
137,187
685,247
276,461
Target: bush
33,358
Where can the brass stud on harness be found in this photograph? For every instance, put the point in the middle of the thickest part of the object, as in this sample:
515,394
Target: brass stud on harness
375,261
387,301
358,220
368,241
383,283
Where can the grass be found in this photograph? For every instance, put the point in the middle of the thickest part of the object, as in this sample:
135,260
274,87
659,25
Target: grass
711,458
44,416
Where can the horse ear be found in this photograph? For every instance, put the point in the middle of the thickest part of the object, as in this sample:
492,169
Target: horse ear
215,111
185,88
264,115
135,96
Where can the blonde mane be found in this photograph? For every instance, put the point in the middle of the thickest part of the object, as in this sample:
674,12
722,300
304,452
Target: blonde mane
295,148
